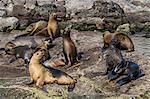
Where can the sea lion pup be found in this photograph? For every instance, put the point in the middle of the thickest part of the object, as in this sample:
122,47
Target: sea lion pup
113,57
69,48
124,41
47,75
52,27
8,47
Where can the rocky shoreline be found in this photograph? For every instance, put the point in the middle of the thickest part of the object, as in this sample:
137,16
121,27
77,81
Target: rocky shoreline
88,22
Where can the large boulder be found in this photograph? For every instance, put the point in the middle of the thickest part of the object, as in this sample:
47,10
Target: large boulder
43,11
112,13
20,11
8,24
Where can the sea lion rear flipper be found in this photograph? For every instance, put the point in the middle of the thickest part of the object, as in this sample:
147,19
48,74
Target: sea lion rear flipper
71,87
2,49
22,35
44,89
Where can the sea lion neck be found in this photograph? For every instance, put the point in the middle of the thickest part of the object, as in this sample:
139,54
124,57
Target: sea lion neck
35,61
52,19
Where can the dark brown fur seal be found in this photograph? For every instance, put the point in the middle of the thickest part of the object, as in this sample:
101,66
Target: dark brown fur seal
113,57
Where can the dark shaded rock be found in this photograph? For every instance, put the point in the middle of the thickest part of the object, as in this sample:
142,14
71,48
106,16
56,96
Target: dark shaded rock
20,11
102,9
23,24
43,11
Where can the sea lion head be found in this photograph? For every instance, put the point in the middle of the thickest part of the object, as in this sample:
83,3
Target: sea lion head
53,16
39,54
107,38
66,32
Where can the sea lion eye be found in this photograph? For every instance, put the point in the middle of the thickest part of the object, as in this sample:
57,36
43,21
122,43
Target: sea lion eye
37,54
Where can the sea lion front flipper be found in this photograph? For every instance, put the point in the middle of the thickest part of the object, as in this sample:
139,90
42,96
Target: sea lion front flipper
123,81
71,87
112,75
31,82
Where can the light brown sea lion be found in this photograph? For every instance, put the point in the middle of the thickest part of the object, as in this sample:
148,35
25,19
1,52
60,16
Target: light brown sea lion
52,27
47,75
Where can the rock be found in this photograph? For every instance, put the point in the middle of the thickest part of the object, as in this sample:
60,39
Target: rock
23,24
125,28
30,4
20,2
43,2
74,5
6,5
3,13
112,13
20,11
143,28
8,24
43,11
61,2
142,17
130,6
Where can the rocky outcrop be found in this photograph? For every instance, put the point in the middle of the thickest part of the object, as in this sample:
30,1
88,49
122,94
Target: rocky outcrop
8,24
112,13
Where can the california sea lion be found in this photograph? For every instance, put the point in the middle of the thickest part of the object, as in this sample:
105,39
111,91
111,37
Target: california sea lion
69,48
113,57
46,75
52,27
123,40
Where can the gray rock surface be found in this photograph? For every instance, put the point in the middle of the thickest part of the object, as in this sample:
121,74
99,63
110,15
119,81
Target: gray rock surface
2,12
125,28
8,24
